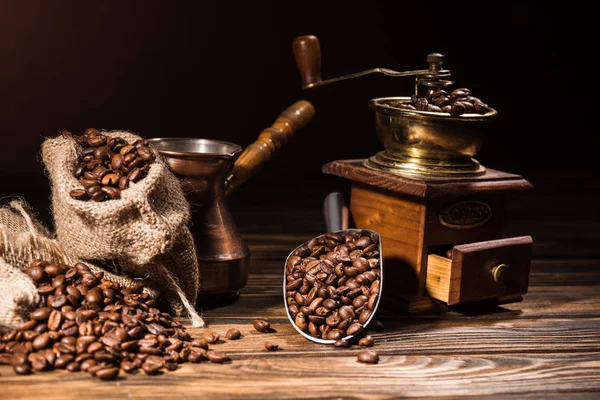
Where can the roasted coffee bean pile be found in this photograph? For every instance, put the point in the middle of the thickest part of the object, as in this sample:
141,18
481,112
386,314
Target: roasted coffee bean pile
333,284
106,165
456,103
86,323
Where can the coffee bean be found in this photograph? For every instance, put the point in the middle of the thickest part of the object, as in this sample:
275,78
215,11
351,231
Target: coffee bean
73,367
78,194
480,107
145,153
96,140
111,192
460,92
364,316
127,366
22,369
41,342
135,175
335,334
342,343
261,325
39,363
110,179
366,341
302,251
123,183
63,360
210,337
41,314
438,93
233,334
271,346
54,320
108,374
93,296
354,328
99,196
217,357
300,321
368,356
36,273
87,364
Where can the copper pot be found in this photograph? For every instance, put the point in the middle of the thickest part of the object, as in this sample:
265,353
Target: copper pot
209,170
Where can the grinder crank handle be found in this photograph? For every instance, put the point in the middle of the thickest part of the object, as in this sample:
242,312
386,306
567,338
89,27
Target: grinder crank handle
307,52
269,143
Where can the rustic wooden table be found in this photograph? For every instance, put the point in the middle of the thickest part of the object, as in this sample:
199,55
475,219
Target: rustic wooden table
546,346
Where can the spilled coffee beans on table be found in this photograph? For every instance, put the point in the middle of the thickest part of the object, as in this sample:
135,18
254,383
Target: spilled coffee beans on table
87,323
332,284
458,102
107,165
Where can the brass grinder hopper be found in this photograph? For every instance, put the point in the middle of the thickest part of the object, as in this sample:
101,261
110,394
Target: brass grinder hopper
419,144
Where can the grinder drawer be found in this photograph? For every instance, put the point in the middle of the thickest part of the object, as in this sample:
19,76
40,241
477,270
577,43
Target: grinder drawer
480,271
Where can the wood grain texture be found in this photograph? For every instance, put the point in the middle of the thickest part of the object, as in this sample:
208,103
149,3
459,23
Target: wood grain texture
437,282
474,262
401,223
491,181
547,346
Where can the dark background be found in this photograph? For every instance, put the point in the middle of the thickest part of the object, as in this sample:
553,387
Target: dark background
225,70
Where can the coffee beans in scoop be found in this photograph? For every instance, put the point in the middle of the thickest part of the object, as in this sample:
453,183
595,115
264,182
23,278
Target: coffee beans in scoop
107,165
87,323
458,102
333,283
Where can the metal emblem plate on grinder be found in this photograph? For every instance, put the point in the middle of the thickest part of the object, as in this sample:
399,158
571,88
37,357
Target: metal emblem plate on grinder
465,214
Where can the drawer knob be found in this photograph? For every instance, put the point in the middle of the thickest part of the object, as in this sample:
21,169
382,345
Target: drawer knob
499,273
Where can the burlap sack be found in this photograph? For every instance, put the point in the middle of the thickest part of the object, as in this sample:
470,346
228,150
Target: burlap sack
22,240
18,296
138,232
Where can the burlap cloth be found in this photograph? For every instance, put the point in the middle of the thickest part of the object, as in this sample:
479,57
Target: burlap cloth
22,240
143,235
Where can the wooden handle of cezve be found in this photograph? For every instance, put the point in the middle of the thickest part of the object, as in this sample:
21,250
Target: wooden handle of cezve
307,52
269,143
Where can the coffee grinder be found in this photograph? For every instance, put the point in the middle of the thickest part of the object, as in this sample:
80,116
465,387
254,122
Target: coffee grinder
438,210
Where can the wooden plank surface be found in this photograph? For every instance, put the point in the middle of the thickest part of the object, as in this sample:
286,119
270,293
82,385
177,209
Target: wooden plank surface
547,346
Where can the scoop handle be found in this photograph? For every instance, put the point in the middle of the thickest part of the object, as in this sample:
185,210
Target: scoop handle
269,143
335,212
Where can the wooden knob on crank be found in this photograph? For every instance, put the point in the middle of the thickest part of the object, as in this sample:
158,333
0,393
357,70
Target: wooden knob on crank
269,143
307,52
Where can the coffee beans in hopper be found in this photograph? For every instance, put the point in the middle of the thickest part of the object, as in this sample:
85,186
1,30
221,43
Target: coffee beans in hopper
332,284
87,323
458,102
107,165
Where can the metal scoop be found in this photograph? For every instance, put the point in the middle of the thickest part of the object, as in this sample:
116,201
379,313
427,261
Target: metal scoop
336,220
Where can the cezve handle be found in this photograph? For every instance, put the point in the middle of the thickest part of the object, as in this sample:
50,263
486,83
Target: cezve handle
269,143
307,52
335,212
